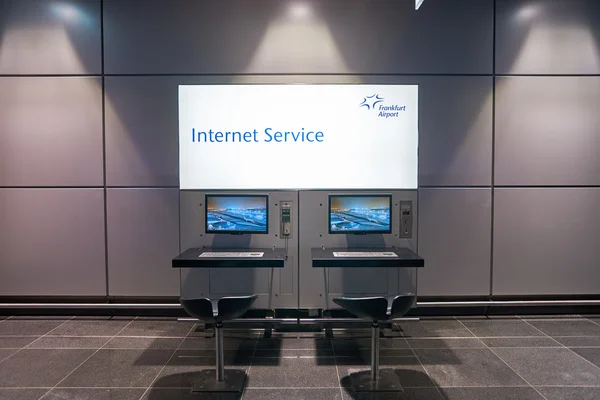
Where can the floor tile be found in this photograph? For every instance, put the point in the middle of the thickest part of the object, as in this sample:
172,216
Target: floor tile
119,368
293,344
365,354
570,393
16,342
435,328
500,328
290,353
40,367
509,393
293,372
365,343
448,343
21,394
157,327
590,354
186,394
94,394
467,367
296,394
91,327
579,341
68,342
406,394
186,366
5,353
542,341
229,343
143,343
28,327
539,366
580,327
408,369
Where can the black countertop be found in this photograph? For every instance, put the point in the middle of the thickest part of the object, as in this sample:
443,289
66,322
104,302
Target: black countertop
404,258
272,258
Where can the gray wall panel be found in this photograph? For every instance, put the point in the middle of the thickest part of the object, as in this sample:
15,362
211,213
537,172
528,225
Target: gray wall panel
50,131
546,241
52,242
547,131
141,131
50,37
547,37
143,238
272,36
455,241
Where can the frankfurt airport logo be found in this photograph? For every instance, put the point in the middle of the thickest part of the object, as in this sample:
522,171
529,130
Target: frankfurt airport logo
376,102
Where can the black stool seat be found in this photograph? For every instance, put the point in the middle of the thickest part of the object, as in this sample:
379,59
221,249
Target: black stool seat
376,309
217,311
224,309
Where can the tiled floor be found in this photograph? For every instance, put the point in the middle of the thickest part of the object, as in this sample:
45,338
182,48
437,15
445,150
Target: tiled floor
520,357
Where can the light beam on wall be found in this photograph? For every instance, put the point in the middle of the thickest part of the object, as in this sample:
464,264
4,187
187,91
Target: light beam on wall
418,4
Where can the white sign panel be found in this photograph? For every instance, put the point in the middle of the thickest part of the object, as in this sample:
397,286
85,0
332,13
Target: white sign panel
298,136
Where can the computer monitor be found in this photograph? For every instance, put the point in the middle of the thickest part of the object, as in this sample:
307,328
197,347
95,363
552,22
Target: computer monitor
360,214
237,214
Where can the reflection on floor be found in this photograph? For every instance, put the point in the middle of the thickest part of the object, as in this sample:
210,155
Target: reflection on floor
447,358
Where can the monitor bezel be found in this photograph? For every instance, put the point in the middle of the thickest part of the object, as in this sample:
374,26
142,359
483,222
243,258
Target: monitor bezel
362,232
225,232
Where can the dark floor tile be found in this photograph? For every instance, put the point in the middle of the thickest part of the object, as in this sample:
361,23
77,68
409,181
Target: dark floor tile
186,394
28,326
293,372
5,353
408,370
508,393
579,327
550,316
365,343
21,394
570,393
448,343
186,366
16,342
91,327
590,354
406,394
229,343
68,342
435,328
94,394
143,343
119,369
467,367
293,343
542,341
550,366
40,367
296,394
157,327
366,353
579,341
500,328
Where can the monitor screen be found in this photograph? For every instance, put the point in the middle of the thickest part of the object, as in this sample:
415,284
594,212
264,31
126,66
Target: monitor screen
237,214
360,214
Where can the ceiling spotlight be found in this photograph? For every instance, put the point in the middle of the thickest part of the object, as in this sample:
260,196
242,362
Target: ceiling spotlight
418,4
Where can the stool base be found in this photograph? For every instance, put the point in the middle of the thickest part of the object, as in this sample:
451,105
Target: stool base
207,382
387,382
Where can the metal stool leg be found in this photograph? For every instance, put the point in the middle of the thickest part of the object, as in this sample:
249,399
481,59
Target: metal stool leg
219,349
375,351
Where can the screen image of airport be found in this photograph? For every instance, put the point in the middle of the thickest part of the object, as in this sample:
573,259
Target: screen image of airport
236,214
359,214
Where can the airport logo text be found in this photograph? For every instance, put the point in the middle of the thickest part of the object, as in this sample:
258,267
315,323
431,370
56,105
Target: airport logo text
376,102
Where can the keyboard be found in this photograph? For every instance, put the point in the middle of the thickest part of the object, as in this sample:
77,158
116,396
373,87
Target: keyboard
231,254
364,254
